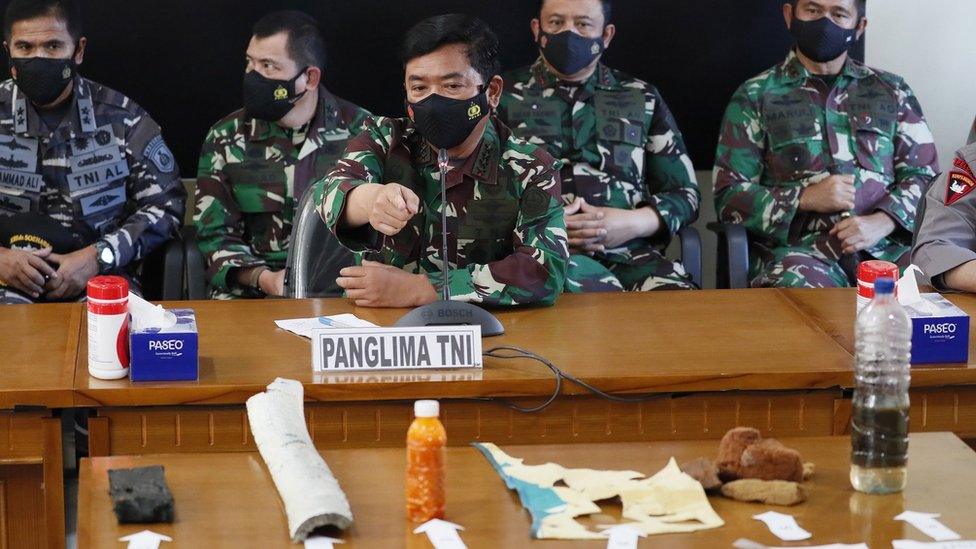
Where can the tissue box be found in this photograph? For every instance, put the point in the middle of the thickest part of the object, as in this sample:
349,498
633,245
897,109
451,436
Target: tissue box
940,331
165,354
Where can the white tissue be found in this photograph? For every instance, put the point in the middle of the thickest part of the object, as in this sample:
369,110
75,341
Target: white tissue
145,315
908,293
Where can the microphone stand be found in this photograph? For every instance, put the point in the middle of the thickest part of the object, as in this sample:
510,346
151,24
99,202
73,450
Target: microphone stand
447,312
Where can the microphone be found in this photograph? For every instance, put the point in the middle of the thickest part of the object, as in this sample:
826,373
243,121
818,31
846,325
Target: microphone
447,312
442,163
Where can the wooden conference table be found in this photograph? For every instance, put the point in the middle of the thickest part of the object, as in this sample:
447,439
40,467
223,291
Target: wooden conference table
208,487
38,347
778,360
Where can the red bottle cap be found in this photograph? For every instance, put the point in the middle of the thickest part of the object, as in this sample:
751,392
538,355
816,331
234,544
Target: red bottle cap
869,271
108,288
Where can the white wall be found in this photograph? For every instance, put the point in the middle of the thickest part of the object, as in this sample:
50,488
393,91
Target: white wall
932,44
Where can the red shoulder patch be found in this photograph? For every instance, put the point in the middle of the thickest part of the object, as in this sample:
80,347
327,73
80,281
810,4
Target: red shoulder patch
960,164
960,184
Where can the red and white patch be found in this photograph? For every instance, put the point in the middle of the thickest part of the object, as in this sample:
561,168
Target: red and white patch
960,184
961,165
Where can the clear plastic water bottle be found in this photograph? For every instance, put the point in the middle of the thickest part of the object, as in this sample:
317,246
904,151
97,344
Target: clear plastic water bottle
879,419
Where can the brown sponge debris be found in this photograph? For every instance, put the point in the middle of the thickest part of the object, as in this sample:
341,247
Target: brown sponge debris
704,471
771,492
743,454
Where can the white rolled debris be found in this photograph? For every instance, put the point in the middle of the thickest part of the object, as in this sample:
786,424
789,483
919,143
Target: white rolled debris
309,490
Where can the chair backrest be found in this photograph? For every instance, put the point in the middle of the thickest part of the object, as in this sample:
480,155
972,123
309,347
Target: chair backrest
315,255
190,184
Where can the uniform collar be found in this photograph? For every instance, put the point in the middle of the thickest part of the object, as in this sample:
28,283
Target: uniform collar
481,165
81,118
793,70
602,77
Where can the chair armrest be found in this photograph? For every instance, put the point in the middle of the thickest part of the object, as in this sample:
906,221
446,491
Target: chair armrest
732,257
691,253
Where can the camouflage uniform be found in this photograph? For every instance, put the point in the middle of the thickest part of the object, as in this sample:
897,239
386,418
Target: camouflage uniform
621,148
783,131
506,234
251,176
104,173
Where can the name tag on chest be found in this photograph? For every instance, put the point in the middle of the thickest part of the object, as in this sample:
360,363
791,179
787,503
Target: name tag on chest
97,177
28,182
373,349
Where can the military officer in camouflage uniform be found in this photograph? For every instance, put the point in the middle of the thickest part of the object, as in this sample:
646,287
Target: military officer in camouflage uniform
628,183
945,246
257,162
80,154
506,239
822,158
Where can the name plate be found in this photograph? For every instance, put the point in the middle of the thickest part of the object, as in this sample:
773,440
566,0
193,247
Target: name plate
380,349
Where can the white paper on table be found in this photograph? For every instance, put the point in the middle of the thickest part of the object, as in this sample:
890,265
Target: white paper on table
783,526
442,534
743,543
304,326
929,524
912,544
321,542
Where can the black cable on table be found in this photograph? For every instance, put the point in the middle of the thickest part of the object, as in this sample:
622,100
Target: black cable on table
516,352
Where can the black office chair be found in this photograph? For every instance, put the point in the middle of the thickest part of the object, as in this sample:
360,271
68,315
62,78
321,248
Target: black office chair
315,255
691,253
196,285
161,272
732,255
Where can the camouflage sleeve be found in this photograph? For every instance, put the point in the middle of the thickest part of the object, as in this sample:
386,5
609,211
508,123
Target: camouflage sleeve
670,175
535,271
358,122
218,218
739,196
362,162
915,161
154,183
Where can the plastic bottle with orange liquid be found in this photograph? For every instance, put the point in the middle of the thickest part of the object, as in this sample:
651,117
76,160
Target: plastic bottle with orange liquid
426,440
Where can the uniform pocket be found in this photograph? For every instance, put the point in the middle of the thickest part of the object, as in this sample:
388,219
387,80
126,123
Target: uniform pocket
874,148
485,233
260,198
621,144
795,150
263,208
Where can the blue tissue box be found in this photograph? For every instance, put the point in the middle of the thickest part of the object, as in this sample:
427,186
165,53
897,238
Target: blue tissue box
166,354
940,331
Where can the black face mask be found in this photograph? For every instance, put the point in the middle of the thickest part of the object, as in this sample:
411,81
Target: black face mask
822,40
569,52
445,122
41,79
267,99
